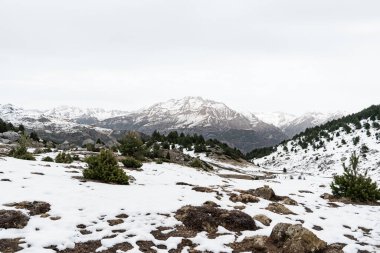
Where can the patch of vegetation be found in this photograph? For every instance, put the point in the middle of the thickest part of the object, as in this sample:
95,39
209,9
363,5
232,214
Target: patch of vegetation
260,152
104,167
47,159
63,157
353,185
196,163
21,152
131,162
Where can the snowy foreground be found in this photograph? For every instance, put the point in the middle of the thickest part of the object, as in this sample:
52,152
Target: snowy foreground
151,201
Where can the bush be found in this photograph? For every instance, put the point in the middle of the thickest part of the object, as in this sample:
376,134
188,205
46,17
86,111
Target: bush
196,163
131,162
47,159
21,152
353,185
104,167
62,157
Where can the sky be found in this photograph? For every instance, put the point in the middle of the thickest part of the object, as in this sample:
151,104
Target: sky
292,56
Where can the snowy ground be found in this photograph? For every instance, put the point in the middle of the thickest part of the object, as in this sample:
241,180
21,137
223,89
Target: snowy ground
152,199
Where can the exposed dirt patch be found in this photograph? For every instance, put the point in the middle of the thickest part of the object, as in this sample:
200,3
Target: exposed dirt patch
34,208
115,222
13,219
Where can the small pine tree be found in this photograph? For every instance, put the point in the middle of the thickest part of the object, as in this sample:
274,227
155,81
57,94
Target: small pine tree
104,167
34,136
353,185
62,157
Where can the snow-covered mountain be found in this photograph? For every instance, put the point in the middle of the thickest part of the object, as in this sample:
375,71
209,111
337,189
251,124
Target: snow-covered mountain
76,113
278,119
245,131
53,127
291,124
197,115
323,151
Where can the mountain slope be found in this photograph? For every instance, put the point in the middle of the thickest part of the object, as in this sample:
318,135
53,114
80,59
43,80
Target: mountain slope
52,127
197,115
322,149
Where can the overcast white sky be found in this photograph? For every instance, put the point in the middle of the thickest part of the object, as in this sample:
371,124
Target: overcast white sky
256,55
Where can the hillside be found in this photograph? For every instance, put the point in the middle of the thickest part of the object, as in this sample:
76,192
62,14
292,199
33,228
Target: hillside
164,208
321,150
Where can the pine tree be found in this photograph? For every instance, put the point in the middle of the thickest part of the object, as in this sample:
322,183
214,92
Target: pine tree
354,185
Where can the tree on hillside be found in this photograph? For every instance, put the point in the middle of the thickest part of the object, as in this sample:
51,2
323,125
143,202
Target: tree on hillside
354,185
132,145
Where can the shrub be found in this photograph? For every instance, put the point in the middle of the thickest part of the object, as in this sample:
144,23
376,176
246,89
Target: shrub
62,157
104,167
353,185
131,162
21,152
47,159
196,163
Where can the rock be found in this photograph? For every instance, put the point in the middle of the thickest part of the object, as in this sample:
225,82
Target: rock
122,216
327,196
202,189
251,244
211,204
13,219
10,245
265,220
265,192
278,208
35,207
286,238
296,239
335,248
244,198
289,201
207,218
115,222
11,136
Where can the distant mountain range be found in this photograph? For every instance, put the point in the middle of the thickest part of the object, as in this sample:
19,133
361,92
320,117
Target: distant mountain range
245,131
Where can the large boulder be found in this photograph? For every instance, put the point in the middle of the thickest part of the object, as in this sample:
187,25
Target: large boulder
264,192
208,218
286,238
13,219
296,239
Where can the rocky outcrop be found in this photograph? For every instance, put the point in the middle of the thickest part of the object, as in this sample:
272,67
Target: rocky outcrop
286,238
208,218
13,219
